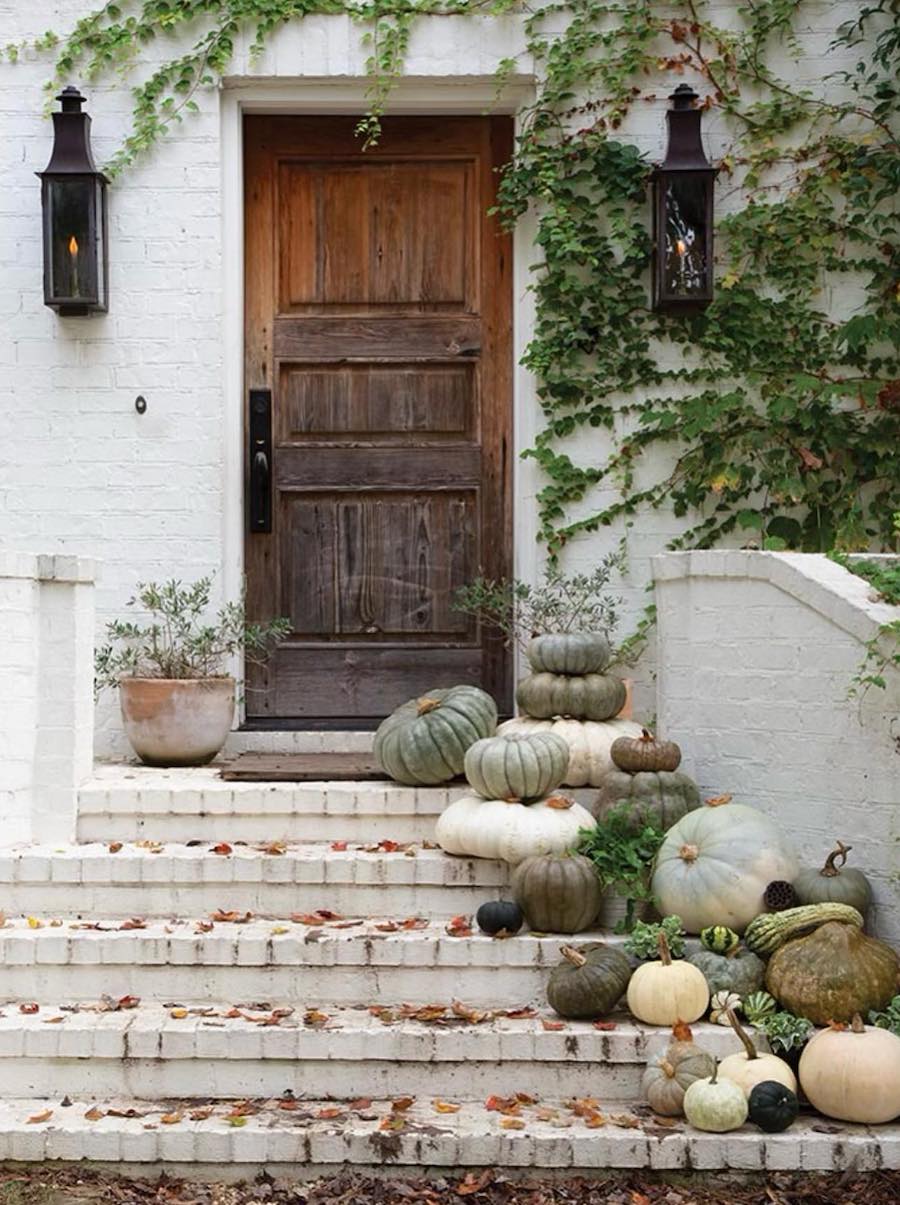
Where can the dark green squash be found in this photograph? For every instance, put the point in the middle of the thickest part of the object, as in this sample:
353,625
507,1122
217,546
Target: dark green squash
719,938
740,971
499,916
772,1106
659,796
559,893
589,982
834,883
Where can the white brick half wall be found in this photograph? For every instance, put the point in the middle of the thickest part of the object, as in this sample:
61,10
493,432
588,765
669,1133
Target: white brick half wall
757,652
46,683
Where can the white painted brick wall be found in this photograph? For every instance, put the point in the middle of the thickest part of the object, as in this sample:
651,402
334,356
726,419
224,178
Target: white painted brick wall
756,654
46,674
80,471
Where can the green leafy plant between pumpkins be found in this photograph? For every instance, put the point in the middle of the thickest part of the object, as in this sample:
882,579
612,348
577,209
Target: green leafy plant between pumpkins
622,858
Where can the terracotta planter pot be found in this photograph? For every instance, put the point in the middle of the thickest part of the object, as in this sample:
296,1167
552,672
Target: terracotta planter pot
177,722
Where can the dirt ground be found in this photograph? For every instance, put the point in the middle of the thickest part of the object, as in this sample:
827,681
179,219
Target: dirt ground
46,1186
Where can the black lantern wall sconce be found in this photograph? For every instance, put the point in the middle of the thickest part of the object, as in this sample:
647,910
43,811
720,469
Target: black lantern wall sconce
73,206
683,212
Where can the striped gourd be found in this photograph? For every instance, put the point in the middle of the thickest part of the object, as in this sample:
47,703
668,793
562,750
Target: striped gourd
719,938
768,932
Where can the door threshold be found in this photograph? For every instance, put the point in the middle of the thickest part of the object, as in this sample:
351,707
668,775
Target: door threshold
357,724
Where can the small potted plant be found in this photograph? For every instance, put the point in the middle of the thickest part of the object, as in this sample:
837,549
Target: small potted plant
623,859
177,700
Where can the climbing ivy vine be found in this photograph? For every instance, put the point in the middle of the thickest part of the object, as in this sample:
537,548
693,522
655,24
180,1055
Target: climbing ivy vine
777,419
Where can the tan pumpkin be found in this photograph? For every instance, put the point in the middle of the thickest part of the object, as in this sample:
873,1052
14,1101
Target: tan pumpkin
750,1068
833,973
670,1074
645,753
668,990
853,1073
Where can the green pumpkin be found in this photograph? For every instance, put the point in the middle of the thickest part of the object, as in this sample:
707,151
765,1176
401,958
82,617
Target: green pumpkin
740,972
585,697
772,1106
834,883
559,893
833,973
569,653
661,797
715,1105
719,938
424,741
589,982
519,766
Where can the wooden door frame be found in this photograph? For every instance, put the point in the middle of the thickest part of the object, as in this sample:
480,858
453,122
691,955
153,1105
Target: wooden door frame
439,99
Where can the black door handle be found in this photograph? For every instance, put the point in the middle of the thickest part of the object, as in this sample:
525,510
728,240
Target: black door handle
260,450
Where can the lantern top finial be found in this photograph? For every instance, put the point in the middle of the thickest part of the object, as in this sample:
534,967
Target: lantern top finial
70,100
683,97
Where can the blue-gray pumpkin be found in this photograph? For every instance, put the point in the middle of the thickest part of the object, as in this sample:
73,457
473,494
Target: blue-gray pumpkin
424,741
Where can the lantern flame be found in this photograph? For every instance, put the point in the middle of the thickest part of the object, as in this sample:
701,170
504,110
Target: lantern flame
73,246
681,246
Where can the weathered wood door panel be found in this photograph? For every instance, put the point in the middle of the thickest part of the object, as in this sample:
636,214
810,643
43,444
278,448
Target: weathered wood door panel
378,312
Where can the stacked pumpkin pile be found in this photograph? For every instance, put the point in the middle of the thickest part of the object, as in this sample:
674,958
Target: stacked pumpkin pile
570,694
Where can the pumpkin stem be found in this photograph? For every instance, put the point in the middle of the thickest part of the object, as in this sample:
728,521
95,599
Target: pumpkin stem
741,1033
666,1068
425,705
857,1024
665,954
572,955
646,735
713,1079
830,869
689,853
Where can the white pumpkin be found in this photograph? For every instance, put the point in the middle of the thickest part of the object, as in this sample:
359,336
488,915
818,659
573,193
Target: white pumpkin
750,1068
853,1074
668,990
715,864
589,744
715,1105
512,832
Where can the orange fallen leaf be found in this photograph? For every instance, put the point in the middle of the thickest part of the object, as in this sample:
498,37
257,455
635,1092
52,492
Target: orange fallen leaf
524,1099
222,848
716,801
517,1013
471,1183
625,1121
178,1013
204,926
360,1105
94,1113
53,1020
388,926
459,926
315,1019
559,803
402,1103
200,1114
681,1031
114,846
339,846
552,1025
414,922
444,1106
329,1114
170,1119
512,1123
273,847
37,1118
392,1123
29,1008
605,1026
233,918
503,1104
134,922
126,1002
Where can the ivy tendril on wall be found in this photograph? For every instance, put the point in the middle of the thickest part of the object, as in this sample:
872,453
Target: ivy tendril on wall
780,420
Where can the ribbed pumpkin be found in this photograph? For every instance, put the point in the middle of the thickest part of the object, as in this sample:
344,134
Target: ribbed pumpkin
739,971
853,1074
559,893
424,741
583,697
833,973
670,1074
715,864
661,796
569,653
716,1104
772,1106
834,883
519,766
668,990
589,982
645,754
589,744
496,828
750,1068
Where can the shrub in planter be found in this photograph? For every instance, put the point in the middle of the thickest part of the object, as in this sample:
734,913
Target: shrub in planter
177,700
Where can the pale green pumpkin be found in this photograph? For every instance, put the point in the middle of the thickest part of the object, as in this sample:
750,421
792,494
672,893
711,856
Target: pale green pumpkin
424,741
569,653
715,1105
740,971
584,697
518,766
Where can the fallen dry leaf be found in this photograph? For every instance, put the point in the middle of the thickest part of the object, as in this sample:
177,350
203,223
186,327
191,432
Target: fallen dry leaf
392,1123
170,1119
459,926
604,1026
330,1114
204,926
231,918
200,1114
178,1013
37,1118
402,1103
444,1106
94,1113
29,1008
360,1105
152,847
559,803
134,922
315,1019
273,847
552,1025
510,1105
512,1123
339,846
322,916
34,923
222,848
625,1121
471,1183
114,846
236,1119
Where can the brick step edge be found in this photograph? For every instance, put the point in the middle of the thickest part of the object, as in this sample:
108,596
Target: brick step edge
38,1130
206,1031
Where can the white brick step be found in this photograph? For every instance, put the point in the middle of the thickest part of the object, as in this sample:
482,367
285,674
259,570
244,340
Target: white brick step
343,962
174,879
159,1052
127,803
366,1133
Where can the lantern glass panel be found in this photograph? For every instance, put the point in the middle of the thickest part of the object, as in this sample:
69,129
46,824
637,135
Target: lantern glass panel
686,236
72,232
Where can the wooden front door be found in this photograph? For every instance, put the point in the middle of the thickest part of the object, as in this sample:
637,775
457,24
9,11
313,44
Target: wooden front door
378,329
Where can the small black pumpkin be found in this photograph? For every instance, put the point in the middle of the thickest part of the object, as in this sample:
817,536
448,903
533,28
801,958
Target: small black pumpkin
773,1107
499,916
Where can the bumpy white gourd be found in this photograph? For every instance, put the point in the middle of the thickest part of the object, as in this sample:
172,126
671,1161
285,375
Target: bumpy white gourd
589,744
511,832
